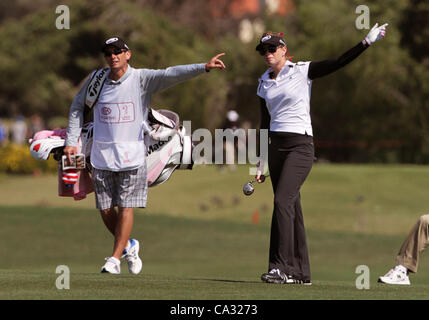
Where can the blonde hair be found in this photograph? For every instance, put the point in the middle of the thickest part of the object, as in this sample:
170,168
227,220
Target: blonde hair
281,36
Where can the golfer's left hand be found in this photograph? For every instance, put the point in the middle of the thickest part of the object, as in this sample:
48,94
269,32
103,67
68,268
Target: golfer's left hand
260,177
376,33
216,63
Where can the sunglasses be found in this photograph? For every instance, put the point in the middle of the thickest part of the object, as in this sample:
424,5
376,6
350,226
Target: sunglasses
270,49
108,53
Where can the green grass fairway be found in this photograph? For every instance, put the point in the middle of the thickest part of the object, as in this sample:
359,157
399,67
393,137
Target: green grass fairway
206,240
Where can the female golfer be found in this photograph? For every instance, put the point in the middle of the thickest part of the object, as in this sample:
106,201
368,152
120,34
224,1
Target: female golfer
284,90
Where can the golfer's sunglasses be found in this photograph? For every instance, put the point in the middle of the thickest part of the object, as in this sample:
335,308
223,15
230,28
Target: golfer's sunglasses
108,53
270,49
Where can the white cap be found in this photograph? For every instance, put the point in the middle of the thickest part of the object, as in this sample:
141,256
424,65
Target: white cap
232,115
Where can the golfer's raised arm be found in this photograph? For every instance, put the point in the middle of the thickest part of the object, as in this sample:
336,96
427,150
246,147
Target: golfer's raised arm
319,69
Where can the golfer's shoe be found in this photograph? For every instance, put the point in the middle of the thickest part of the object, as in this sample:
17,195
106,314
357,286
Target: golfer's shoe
395,276
112,265
303,282
131,255
276,276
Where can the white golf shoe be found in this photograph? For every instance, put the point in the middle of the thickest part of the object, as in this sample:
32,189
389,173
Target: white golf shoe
396,275
112,265
131,255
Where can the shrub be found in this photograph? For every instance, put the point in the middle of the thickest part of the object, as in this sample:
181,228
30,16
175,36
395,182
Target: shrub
16,159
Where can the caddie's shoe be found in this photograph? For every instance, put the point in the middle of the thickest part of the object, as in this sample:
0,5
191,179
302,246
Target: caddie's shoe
131,255
275,276
112,265
396,275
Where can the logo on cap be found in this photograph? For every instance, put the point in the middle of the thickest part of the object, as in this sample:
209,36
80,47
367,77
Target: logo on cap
109,41
266,38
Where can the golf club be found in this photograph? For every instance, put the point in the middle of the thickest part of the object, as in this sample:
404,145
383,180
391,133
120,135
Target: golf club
248,188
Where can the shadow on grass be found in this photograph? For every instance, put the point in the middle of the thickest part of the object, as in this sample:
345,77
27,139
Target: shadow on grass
224,280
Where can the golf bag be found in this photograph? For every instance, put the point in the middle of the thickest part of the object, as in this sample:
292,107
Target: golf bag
167,146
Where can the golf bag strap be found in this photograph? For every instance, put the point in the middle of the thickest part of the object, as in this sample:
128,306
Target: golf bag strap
93,91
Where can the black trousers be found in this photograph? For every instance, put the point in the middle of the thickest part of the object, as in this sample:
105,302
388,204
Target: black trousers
290,158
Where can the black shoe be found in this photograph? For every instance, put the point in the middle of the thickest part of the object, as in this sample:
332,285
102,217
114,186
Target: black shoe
292,280
275,276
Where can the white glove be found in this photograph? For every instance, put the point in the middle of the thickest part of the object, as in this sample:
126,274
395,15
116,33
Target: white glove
376,33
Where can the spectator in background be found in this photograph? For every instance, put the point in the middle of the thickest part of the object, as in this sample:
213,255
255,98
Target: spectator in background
3,133
231,120
230,146
36,124
19,130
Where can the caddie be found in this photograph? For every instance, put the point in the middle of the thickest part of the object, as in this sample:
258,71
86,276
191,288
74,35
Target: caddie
118,98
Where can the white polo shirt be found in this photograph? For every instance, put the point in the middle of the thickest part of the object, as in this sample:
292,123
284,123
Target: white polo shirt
288,98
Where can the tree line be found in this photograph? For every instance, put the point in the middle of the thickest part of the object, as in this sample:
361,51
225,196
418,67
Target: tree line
373,110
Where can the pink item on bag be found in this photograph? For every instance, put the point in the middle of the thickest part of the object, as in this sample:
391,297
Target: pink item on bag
80,180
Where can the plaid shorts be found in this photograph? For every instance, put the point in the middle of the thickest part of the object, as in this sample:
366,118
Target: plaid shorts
127,189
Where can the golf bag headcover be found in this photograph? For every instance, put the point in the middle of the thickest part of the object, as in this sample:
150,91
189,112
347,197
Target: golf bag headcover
70,177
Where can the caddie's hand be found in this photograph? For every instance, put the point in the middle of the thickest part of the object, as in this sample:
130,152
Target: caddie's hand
376,33
216,63
69,151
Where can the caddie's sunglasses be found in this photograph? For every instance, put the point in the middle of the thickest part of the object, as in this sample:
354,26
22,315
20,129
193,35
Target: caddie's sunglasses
108,53
270,49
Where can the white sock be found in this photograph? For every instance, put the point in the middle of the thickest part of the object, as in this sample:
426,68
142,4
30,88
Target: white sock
115,260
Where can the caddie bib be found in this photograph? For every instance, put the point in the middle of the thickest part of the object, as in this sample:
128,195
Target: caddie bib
118,142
